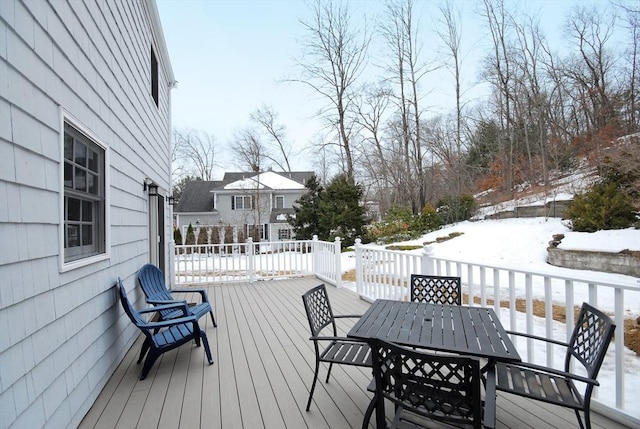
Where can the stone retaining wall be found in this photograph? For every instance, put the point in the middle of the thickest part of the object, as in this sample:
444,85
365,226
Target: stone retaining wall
550,209
625,262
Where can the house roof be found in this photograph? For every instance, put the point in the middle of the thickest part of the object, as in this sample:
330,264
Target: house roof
266,180
196,197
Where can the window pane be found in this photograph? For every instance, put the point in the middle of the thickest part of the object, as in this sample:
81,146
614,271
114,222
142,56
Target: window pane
80,154
68,147
72,236
93,161
87,236
92,184
81,180
87,211
68,175
73,209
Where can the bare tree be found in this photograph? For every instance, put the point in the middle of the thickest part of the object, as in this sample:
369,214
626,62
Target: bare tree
400,32
451,38
249,149
266,118
195,152
499,72
334,53
589,31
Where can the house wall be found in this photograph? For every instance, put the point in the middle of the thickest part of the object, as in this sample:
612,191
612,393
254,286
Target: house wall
260,215
62,332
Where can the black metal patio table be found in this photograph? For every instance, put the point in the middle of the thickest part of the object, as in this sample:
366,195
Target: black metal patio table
459,329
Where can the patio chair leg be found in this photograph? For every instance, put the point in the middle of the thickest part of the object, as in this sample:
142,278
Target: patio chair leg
207,350
370,409
587,420
313,385
329,372
148,363
213,319
145,346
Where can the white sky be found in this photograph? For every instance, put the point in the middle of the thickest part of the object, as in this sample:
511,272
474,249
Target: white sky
230,58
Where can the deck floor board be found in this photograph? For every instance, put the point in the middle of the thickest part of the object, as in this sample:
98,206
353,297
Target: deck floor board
263,371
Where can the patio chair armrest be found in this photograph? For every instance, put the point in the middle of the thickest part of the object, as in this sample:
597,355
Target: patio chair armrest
169,322
173,305
539,338
489,418
345,316
201,291
554,371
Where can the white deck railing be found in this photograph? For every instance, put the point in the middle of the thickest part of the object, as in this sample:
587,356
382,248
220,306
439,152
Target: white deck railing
524,300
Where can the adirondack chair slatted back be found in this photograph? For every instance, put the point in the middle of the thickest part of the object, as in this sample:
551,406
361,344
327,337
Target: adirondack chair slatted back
318,308
151,280
135,317
436,289
590,339
440,387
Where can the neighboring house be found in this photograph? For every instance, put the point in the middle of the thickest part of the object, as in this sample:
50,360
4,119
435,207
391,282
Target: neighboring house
252,204
84,166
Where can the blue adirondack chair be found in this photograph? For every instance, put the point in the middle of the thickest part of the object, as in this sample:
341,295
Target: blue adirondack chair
152,283
164,335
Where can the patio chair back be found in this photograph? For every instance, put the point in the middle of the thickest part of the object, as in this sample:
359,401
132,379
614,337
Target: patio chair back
318,309
590,340
436,289
440,387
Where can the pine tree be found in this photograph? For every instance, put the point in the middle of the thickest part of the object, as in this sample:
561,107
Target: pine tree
177,236
306,221
341,213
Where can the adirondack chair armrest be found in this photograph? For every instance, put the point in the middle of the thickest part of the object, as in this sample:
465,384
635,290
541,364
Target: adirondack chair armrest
153,300
557,372
201,291
344,316
173,305
170,322
536,337
489,419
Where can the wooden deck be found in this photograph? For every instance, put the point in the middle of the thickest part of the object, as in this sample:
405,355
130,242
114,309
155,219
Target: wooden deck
262,373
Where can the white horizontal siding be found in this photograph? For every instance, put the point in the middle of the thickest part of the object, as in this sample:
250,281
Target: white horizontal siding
64,332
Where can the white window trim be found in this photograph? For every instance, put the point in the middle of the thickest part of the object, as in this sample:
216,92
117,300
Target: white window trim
68,266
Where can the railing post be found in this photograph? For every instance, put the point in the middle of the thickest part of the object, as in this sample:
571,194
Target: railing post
250,259
427,261
358,251
338,265
314,253
172,264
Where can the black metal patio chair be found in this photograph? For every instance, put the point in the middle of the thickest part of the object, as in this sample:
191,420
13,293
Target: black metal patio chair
588,346
339,350
436,289
167,334
428,389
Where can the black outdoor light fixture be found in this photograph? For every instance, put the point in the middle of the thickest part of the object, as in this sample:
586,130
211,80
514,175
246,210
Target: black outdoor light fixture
149,186
172,201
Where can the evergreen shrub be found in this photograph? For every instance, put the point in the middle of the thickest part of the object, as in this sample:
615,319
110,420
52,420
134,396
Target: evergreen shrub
604,206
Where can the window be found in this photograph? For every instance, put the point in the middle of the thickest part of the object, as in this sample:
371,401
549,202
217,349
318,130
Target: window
84,196
257,232
241,202
279,202
154,76
284,234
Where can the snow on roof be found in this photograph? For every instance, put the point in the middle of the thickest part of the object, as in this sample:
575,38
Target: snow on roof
266,180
